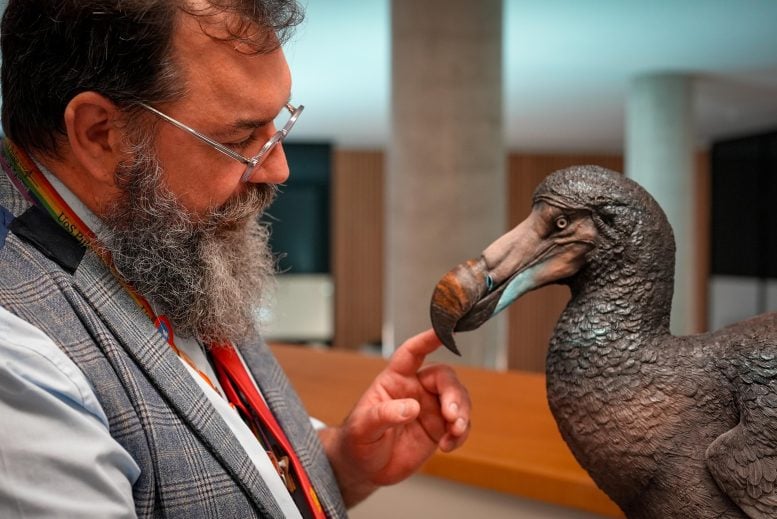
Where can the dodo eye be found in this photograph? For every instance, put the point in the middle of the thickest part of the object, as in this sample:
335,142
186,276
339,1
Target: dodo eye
561,222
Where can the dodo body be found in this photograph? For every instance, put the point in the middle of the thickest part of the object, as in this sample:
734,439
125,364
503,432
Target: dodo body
667,426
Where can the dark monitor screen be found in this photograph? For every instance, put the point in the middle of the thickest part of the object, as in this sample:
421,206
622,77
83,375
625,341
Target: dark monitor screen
744,215
299,217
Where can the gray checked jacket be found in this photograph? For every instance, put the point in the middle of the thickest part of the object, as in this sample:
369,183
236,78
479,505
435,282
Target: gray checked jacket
192,466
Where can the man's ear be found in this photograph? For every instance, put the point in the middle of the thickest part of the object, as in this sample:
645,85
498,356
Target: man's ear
95,134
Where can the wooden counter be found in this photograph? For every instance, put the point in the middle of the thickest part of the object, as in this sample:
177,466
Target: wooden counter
514,445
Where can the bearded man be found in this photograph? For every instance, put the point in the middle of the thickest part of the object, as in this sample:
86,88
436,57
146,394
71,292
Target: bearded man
140,150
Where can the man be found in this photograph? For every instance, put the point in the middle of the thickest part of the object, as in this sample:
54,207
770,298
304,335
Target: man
131,263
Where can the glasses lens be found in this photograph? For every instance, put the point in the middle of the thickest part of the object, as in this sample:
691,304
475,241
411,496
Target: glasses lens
293,119
263,154
270,145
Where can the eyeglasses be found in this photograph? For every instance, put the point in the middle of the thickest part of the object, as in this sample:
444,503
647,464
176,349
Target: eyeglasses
251,163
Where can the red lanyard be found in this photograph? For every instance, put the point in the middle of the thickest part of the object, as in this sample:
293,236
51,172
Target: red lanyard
242,391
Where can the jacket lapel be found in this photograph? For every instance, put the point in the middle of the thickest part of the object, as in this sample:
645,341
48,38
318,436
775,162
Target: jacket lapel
140,339
290,412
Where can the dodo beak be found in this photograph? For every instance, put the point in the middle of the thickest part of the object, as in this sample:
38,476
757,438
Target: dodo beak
531,255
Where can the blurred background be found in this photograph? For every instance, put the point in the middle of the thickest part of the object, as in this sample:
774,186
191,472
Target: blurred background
428,125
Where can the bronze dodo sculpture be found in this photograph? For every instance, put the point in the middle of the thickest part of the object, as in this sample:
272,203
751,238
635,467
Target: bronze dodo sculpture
667,426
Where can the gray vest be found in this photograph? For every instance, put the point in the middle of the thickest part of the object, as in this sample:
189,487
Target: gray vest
191,464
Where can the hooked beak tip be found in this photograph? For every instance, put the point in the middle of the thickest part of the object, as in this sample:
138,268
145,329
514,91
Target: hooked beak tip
444,332
453,296
443,322
452,347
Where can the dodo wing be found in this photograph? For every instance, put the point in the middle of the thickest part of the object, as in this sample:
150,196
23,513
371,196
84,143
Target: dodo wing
743,460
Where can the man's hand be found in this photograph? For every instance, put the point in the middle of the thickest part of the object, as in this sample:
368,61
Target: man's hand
404,416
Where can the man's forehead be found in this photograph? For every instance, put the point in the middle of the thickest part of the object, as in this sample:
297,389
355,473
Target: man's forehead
202,36
221,25
220,71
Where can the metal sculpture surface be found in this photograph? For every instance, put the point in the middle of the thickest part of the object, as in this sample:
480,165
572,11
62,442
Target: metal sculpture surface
667,426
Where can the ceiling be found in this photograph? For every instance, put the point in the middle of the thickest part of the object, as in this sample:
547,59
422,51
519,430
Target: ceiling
567,68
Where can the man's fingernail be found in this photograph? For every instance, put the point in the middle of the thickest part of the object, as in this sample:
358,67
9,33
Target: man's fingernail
460,425
403,411
454,407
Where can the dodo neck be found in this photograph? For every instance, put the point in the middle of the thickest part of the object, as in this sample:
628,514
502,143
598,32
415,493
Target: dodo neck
622,313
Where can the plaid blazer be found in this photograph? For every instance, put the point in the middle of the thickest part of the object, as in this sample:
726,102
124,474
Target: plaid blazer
191,464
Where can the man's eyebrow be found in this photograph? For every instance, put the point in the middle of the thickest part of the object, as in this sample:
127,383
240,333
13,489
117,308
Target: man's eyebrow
251,124
240,125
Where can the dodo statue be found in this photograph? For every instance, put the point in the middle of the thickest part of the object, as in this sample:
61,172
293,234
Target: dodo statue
668,426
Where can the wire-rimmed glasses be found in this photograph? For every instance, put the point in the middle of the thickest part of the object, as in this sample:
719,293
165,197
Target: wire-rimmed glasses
251,163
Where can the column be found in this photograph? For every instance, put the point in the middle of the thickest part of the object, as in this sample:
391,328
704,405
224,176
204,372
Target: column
660,156
445,181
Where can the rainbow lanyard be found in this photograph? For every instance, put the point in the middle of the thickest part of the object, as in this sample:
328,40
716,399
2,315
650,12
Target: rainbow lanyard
36,188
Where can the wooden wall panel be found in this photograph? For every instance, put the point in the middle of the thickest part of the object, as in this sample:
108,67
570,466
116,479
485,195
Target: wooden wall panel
357,249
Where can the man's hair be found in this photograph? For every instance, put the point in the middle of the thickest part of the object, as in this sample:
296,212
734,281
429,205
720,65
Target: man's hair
52,50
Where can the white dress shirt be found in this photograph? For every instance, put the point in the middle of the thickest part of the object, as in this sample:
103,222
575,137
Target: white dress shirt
57,457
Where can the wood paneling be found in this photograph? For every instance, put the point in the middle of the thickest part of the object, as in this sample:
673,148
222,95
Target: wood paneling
357,249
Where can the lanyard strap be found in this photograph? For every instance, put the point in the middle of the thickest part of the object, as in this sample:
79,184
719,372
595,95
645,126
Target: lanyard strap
242,391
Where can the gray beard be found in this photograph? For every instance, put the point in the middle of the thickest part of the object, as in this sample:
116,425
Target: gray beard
209,275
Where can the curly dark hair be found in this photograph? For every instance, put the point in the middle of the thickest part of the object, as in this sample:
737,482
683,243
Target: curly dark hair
55,49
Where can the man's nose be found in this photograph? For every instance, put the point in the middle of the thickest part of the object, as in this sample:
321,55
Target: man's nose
273,170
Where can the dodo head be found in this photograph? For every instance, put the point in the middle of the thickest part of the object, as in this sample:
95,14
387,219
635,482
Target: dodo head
588,226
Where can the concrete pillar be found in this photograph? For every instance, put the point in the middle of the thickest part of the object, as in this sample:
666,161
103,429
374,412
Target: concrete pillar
660,156
446,191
